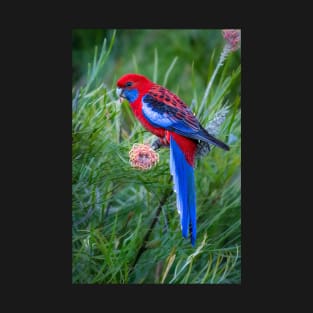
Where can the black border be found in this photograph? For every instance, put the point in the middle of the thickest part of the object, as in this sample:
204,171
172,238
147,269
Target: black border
46,153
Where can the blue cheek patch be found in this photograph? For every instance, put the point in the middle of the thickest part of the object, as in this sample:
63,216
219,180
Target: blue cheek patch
131,95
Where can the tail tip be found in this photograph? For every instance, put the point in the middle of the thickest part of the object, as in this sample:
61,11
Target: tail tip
192,238
192,241
192,235
226,147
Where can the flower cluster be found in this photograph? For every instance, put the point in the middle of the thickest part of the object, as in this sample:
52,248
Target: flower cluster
203,148
214,125
143,157
232,37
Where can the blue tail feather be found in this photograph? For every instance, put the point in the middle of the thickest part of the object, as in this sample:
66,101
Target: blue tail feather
184,186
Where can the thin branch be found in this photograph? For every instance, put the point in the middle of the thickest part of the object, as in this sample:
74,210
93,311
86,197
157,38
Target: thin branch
223,56
143,246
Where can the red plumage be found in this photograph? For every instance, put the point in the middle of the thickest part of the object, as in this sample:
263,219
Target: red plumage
161,94
165,115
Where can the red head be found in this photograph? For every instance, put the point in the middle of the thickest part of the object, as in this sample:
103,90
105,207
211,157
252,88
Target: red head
130,86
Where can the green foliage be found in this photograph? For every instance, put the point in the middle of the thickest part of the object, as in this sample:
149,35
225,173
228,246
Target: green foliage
114,204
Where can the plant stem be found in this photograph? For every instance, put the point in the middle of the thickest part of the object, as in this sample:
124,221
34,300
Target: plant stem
223,56
143,247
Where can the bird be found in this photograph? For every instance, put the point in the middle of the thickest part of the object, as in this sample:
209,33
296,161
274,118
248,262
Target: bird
165,115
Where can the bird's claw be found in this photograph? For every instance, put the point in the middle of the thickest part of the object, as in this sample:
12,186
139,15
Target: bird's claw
156,144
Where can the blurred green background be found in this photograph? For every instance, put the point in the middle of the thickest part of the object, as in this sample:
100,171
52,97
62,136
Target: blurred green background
136,48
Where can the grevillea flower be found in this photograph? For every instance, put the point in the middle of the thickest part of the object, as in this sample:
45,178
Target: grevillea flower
203,148
214,125
142,156
232,37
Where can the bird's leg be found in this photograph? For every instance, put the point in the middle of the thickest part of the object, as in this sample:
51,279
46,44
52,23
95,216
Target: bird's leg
158,143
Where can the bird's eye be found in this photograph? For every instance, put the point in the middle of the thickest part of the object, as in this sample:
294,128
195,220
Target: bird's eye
128,84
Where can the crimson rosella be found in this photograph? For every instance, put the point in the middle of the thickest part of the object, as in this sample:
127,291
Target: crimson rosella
165,115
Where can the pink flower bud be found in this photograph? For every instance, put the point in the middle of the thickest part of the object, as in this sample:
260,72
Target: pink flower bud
143,157
232,37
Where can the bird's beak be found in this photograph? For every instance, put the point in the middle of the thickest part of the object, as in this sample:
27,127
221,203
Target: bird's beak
119,92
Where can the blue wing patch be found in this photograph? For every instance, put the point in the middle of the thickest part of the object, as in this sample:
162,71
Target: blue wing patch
171,118
177,119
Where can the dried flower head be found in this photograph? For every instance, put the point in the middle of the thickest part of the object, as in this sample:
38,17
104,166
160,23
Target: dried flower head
214,125
142,156
232,37
203,148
